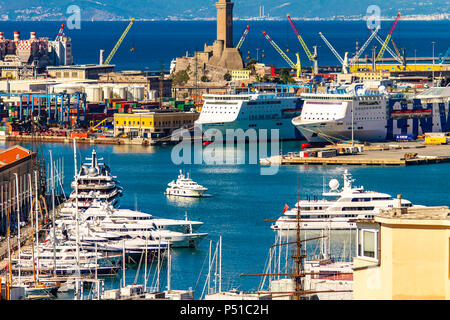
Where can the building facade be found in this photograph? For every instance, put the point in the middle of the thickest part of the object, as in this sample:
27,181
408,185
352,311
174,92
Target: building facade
152,124
403,253
17,166
85,71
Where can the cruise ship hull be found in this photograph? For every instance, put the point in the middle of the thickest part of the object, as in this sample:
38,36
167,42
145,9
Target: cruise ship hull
331,131
262,129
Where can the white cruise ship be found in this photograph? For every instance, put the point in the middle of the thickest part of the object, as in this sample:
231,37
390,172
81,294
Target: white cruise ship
376,116
338,209
250,111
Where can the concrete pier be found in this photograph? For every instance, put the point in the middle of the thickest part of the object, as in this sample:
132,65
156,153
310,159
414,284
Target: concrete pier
380,154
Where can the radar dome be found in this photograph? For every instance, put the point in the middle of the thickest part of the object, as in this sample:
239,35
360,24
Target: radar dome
92,171
334,184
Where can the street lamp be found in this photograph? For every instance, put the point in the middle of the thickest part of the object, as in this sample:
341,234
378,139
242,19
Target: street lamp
433,63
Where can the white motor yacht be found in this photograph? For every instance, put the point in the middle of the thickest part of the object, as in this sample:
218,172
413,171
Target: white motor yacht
339,209
184,186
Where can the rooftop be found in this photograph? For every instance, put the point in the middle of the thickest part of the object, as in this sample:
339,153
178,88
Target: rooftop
13,154
414,216
82,66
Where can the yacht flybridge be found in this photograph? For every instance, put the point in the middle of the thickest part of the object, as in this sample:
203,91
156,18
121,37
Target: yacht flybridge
338,209
184,186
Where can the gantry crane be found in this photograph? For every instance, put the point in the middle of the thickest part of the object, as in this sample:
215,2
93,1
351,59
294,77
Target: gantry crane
343,61
241,41
388,38
311,57
113,51
297,66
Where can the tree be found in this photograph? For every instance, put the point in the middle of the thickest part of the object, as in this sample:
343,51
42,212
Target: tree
285,76
204,78
180,77
227,76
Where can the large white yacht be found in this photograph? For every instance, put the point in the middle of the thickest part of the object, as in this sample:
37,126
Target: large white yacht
64,259
106,225
95,182
338,209
252,110
184,186
372,115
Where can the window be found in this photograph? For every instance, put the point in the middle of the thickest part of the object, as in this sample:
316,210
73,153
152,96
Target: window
367,240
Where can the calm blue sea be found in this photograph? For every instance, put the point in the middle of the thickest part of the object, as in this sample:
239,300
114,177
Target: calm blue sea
241,200
157,43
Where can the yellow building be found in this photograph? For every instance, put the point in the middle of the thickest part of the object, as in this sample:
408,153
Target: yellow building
398,67
238,75
150,123
403,253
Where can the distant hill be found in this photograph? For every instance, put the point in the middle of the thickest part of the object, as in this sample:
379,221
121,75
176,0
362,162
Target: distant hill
204,9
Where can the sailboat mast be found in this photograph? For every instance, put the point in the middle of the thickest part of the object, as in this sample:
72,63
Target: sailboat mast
32,226
37,222
298,256
53,211
220,264
18,222
76,208
169,266
9,237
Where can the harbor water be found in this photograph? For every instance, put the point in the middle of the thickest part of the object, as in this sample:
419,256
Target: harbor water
240,202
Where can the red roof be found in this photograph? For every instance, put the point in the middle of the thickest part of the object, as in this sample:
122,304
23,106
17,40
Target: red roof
13,154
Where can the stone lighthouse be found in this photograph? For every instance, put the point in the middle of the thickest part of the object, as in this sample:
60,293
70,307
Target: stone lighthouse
225,22
222,53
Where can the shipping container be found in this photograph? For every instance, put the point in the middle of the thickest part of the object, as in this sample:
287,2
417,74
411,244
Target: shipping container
436,140
404,137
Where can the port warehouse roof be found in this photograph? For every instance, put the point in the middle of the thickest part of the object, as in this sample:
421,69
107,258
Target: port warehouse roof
12,155
435,93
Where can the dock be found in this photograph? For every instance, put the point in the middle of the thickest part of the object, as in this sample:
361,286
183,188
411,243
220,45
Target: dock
381,154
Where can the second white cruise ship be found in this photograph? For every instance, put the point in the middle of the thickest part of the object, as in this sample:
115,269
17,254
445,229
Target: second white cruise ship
252,110
372,115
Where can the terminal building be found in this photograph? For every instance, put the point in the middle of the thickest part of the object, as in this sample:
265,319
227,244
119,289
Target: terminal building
152,124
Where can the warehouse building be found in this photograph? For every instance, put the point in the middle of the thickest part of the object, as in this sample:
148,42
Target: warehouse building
152,124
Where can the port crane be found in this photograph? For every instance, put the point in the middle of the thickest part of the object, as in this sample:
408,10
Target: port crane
442,59
397,55
241,41
297,66
311,57
60,33
113,51
388,38
354,60
343,61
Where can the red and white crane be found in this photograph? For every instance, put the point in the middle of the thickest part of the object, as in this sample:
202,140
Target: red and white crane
388,38
241,41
